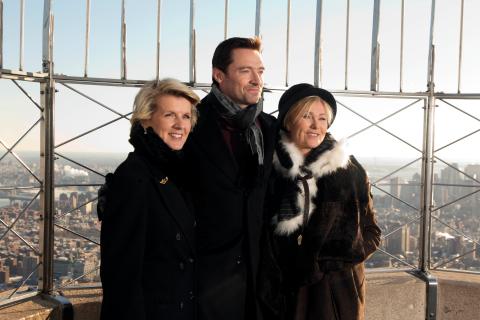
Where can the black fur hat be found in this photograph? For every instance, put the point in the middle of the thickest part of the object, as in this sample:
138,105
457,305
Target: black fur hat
299,91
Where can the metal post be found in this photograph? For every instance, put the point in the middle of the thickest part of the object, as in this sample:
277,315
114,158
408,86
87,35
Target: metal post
460,49
87,37
375,57
159,10
1,34
225,21
317,72
347,40
47,92
123,49
401,43
430,78
258,17
192,43
22,34
287,46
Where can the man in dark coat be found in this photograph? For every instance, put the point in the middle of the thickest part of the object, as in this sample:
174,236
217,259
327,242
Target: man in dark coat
230,152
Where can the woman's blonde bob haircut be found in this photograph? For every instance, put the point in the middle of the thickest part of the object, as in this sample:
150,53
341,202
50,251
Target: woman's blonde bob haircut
146,99
302,107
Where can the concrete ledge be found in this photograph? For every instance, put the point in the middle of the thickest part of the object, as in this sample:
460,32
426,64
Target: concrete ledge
458,295
393,295
35,308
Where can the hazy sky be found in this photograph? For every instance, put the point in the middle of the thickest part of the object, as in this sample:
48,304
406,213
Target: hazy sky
75,114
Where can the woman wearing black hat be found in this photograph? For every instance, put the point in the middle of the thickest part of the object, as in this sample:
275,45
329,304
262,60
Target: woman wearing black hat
321,216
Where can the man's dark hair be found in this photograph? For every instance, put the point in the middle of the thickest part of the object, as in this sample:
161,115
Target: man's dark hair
222,57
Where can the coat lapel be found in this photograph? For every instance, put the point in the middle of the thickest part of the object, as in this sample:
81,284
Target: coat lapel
268,132
177,208
207,135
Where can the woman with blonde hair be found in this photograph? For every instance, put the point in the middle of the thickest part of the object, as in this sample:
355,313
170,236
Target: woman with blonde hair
322,220
147,236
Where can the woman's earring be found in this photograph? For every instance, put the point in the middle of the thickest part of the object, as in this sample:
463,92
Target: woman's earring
144,130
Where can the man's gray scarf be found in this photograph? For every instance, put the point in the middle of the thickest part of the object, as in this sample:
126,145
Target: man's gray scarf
243,119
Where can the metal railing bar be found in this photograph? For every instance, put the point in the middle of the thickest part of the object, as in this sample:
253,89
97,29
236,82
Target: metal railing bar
87,37
287,44
19,215
24,281
92,130
400,184
396,198
20,161
58,216
457,185
157,61
458,170
22,35
455,96
402,29
458,109
400,227
456,230
457,140
77,234
385,118
28,96
66,185
1,35
21,75
347,41
20,139
123,45
375,53
381,128
95,101
79,164
21,238
317,69
431,48
456,200
258,17
396,258
77,278
452,259
192,73
397,170
225,21
460,47
7,188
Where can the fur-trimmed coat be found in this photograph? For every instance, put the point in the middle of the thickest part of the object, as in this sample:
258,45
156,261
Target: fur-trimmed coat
325,264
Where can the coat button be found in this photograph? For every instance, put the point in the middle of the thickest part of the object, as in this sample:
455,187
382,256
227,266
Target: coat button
194,223
178,236
191,260
181,265
239,259
192,296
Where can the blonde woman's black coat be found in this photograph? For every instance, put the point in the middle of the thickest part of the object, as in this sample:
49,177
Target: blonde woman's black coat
147,237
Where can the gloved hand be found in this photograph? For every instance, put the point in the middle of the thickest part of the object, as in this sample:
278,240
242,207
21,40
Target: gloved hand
103,196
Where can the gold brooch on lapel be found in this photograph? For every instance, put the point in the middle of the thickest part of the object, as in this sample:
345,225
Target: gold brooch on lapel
164,180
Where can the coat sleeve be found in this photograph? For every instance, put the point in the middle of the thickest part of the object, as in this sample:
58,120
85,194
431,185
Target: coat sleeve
123,242
370,230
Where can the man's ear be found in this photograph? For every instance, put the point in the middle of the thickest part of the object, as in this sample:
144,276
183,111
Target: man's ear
218,75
